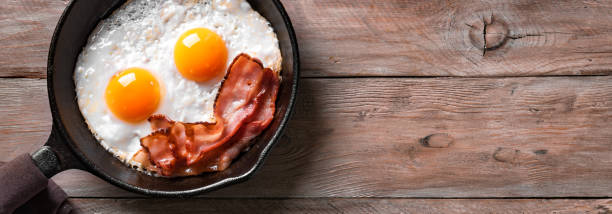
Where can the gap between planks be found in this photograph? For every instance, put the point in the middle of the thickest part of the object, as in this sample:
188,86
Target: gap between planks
348,198
390,77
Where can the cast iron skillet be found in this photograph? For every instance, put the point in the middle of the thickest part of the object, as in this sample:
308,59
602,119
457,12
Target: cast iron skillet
72,145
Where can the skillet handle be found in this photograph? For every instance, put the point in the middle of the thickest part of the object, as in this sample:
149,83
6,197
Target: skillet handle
55,156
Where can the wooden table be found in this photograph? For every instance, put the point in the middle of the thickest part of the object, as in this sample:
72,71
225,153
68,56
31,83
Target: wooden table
404,106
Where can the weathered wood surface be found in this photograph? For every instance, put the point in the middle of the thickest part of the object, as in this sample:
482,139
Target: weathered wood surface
390,38
26,27
403,137
367,145
432,38
25,117
341,205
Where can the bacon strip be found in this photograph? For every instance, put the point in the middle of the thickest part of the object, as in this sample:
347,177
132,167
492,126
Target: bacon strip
243,109
259,121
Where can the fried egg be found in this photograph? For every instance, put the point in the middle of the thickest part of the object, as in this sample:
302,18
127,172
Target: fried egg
164,57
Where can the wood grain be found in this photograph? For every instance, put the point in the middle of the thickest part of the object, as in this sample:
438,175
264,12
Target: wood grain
25,116
432,38
390,38
387,137
26,27
341,205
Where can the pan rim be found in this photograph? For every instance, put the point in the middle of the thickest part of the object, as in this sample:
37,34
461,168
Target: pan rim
59,127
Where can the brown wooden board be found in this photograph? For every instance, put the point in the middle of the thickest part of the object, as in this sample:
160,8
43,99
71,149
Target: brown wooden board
390,38
386,144
25,118
447,38
401,137
341,205
26,27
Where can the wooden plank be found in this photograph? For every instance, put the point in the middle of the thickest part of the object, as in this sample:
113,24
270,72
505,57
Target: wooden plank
26,119
445,38
385,137
341,205
391,38
26,27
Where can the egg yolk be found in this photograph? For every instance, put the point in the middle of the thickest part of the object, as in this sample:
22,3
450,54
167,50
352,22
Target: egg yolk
200,54
133,94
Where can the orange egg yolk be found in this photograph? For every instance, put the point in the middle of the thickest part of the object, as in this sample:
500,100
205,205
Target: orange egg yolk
200,55
133,94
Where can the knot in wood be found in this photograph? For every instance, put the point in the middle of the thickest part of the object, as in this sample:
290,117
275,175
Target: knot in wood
488,34
438,140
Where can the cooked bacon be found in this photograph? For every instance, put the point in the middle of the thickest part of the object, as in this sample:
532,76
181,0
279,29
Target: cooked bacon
160,122
259,121
243,109
160,150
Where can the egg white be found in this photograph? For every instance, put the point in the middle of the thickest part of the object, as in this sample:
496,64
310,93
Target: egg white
143,33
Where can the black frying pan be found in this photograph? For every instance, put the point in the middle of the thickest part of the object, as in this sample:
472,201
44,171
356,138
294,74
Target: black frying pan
72,146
